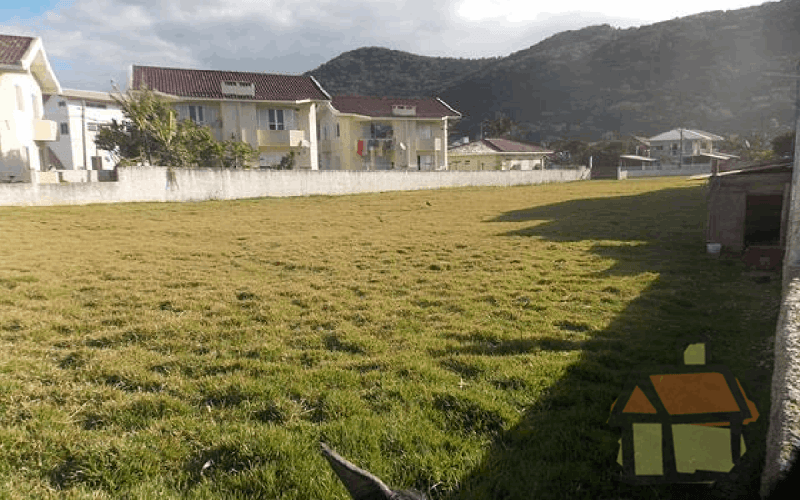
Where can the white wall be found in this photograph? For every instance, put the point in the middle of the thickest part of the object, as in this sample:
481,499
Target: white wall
71,147
18,151
156,184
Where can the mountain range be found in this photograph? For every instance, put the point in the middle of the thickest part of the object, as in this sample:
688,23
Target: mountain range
727,72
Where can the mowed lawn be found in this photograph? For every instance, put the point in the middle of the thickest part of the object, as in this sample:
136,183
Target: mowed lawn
465,342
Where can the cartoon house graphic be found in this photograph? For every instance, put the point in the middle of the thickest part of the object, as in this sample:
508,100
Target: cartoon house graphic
682,424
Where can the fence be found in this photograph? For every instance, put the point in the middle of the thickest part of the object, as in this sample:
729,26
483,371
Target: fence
161,184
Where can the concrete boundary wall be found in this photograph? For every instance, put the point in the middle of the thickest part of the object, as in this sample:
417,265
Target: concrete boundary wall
160,184
784,416
783,435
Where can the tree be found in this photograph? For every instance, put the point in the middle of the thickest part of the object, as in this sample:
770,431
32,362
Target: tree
237,154
287,162
606,153
752,148
154,133
122,141
783,145
500,127
570,152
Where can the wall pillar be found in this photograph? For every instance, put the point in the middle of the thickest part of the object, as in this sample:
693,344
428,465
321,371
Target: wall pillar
312,132
445,143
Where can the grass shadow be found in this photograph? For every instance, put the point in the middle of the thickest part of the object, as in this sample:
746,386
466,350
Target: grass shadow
562,446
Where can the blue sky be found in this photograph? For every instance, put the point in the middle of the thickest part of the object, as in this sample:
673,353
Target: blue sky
91,42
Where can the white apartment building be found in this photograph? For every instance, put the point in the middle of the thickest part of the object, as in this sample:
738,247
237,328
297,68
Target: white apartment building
80,114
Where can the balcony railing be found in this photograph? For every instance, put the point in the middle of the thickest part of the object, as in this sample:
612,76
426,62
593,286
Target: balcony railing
292,138
45,130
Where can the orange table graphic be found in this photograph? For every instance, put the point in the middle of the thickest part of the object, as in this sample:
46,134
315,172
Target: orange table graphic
682,424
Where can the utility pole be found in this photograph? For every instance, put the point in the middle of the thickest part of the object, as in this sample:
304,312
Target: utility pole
680,150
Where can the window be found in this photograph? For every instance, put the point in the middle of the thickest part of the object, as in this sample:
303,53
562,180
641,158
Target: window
95,105
201,115
62,104
91,127
273,119
236,88
20,99
337,130
276,119
425,132
196,114
279,119
37,112
64,128
381,131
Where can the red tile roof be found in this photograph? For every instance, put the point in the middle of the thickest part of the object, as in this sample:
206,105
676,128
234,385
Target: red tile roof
207,84
382,106
509,146
12,48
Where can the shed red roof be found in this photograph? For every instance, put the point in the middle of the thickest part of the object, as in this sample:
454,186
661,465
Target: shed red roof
208,84
12,48
379,107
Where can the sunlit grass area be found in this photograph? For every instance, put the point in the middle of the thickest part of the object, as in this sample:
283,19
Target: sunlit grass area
465,342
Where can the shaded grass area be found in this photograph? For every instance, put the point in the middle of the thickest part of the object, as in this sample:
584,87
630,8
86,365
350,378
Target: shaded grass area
465,342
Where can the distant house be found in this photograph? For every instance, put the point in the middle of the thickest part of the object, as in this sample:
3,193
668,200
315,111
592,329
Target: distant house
497,154
276,114
25,74
384,133
683,146
80,114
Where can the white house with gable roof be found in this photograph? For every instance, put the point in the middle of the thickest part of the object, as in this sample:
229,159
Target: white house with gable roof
25,74
683,146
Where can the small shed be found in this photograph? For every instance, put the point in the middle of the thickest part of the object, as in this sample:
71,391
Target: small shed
748,212
682,424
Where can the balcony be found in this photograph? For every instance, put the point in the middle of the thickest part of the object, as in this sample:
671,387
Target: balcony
286,138
379,147
45,130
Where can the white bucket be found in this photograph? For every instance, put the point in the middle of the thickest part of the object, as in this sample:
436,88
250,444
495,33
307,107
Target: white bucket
713,248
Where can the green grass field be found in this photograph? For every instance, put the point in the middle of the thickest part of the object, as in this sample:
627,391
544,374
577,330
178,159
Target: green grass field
465,342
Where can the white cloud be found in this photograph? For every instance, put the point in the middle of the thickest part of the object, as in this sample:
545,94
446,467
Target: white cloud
523,10
98,38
